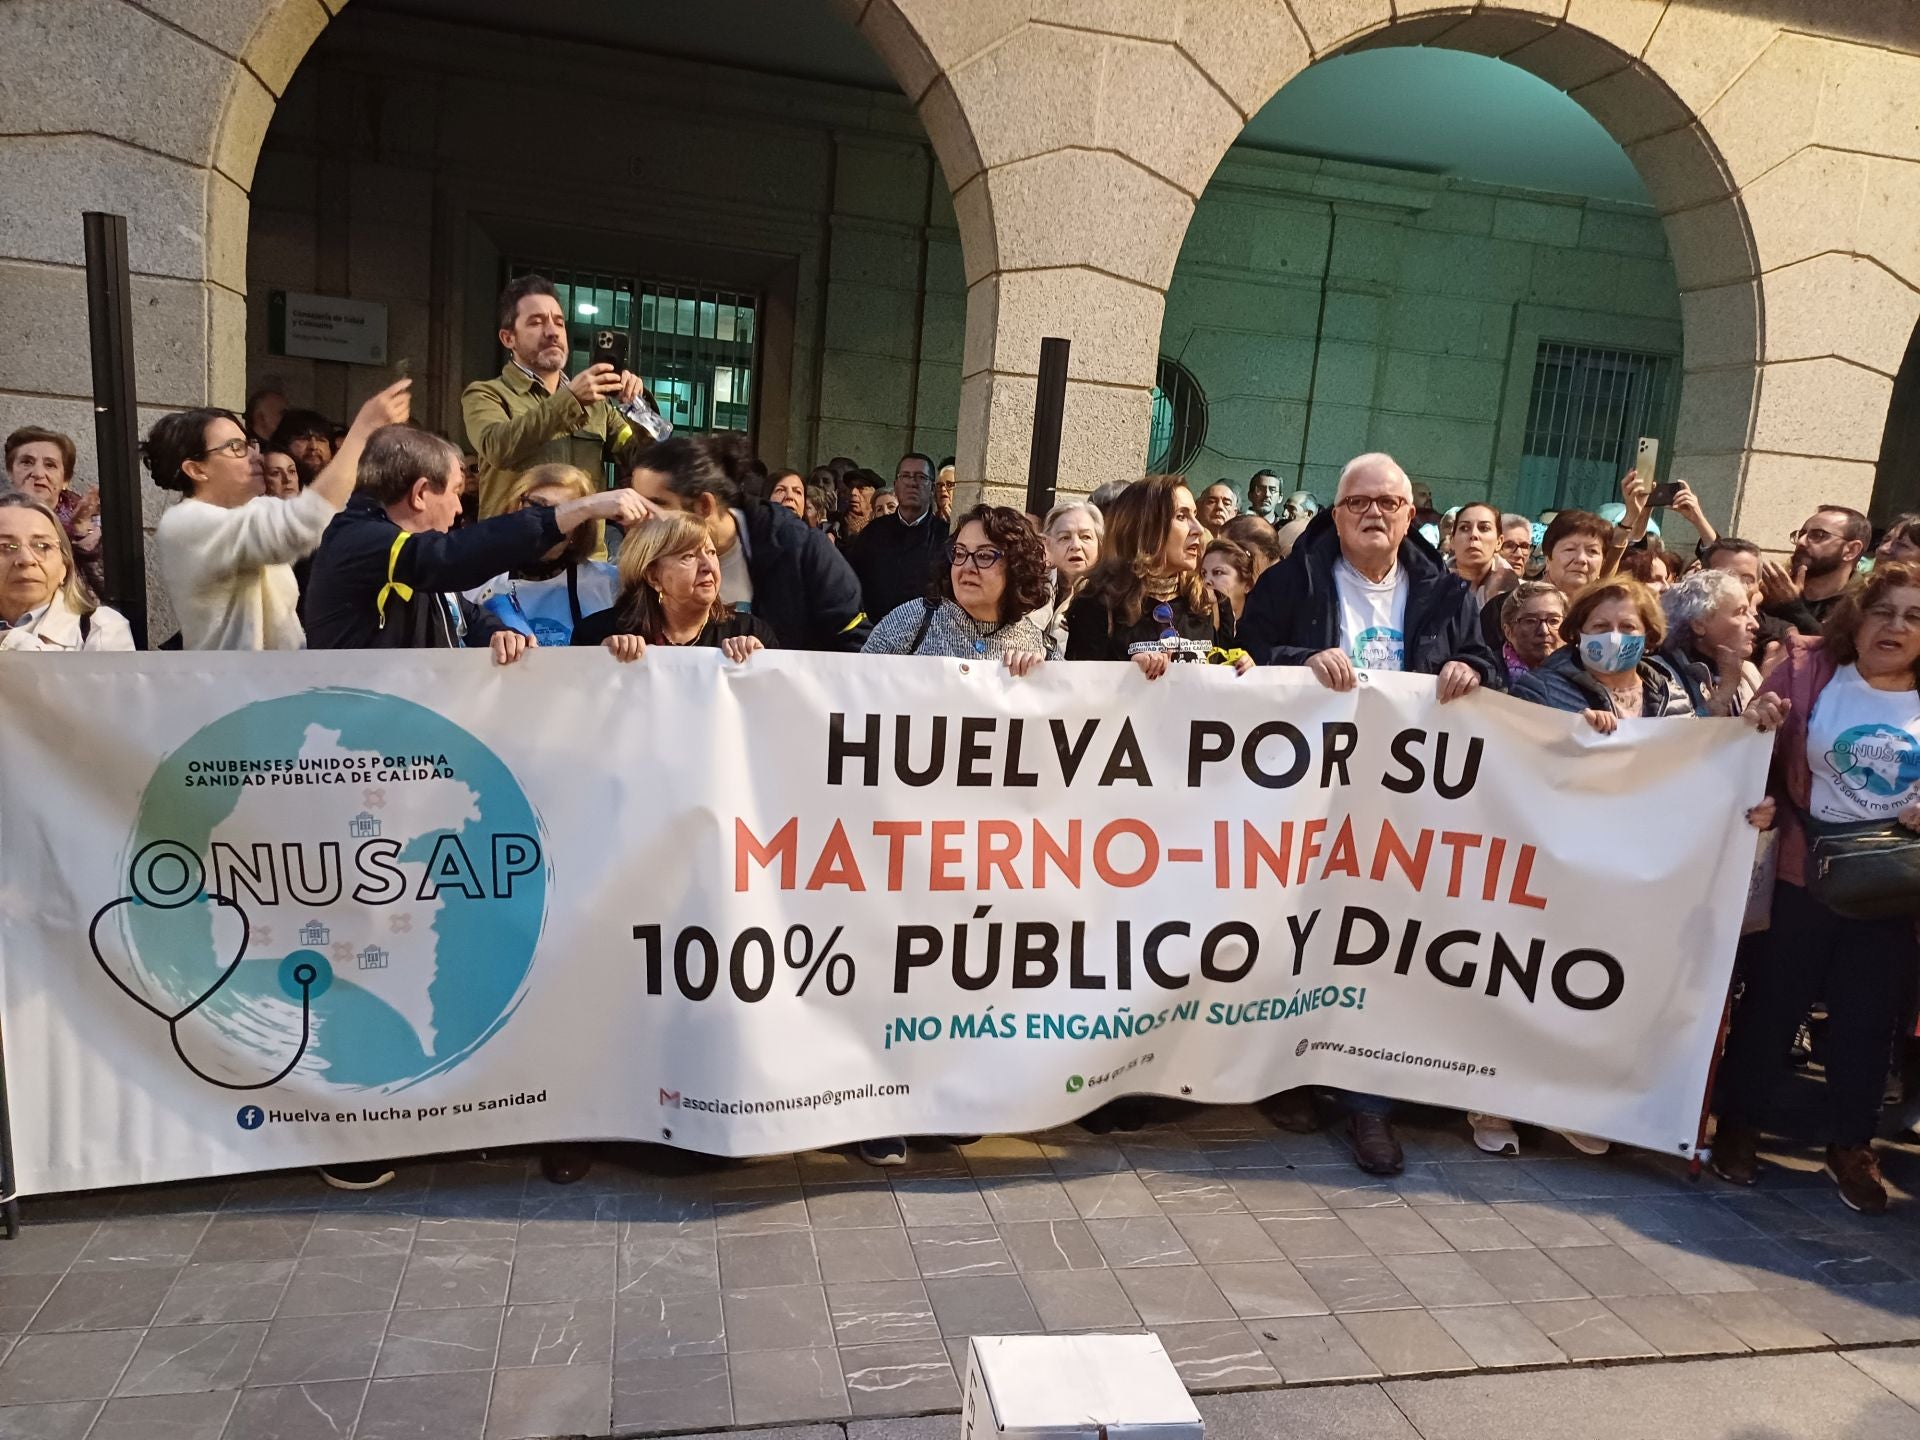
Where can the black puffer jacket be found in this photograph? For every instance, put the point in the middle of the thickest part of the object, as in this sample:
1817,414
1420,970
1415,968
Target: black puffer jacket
802,586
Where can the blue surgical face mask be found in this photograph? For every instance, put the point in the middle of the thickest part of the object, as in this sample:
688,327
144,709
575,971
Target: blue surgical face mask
1611,653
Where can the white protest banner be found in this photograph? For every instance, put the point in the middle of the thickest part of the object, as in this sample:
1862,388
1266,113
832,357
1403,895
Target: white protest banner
270,910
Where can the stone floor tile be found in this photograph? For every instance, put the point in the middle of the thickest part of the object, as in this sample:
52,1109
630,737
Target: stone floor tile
1226,1239
1313,1235
1080,1300
343,1285
196,1416
1607,1271
1025,1198
85,1365
160,1241
1357,1412
1841,1260
786,1317
778,1385
1173,1295
851,1207
1356,1283
1430,1184
1857,1314
899,1378
1581,1178
1551,1224
1406,1342
1675,1326
1346,1187
325,1411
1525,1275
45,1249
1140,1240
1238,1152
181,1359
443,1274
563,1332
1498,1336
941,1251
226,1290
469,1229
1269,1192
563,1272
1759,1320
425,1407
550,1400
761,1214
64,1420
555,1215
1216,1355
660,1327
750,1262
331,1347
1897,1370
438,1342
1439,1280
679,1392
102,1299
670,1265
1113,1195
1395,1231
21,1297
1586,1330
253,1237
360,1234
1771,1214
926,1202
1191,1193
1082,1154
850,1256
986,1305
1052,1245
1006,1155
1265,1289
1312,1347
1493,1182
880,1312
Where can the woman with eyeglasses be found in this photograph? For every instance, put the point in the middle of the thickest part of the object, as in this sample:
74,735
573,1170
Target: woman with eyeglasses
549,600
43,604
995,576
226,548
1146,601
1530,622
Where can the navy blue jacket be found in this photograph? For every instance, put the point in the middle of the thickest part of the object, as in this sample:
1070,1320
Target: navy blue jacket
1294,611
1562,683
802,586
350,570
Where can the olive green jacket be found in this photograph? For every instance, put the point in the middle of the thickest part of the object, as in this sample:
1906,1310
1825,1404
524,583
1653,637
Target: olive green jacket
513,425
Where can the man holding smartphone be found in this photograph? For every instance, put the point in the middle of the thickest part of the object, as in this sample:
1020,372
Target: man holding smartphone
533,413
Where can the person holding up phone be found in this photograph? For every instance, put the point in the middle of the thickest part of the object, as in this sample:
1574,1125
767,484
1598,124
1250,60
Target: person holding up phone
533,412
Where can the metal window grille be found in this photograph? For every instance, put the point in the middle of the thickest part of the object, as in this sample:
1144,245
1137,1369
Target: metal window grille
1178,427
693,345
1589,408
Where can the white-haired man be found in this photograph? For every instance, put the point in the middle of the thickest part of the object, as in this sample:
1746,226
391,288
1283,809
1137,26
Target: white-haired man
1360,591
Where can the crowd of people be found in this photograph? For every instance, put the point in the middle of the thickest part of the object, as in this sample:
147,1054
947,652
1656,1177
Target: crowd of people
559,522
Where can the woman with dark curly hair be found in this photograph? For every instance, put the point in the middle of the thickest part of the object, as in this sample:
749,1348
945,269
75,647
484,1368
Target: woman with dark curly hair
1146,601
996,573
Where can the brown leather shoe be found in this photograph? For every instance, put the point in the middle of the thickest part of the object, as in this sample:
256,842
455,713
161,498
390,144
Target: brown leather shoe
1292,1111
1856,1170
565,1164
1735,1157
1375,1150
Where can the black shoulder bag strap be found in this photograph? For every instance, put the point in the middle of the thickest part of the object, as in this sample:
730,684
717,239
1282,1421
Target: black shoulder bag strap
573,592
926,624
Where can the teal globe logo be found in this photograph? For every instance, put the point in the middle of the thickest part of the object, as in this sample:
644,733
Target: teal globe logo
336,891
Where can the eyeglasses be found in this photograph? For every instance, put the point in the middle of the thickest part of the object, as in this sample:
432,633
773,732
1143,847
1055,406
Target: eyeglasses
985,558
43,550
1885,614
1515,547
1163,614
237,448
1357,505
1536,622
1813,534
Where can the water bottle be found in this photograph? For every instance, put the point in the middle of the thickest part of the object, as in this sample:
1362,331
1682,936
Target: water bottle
641,414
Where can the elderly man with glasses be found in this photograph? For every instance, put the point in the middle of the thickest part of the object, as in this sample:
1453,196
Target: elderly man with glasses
1360,591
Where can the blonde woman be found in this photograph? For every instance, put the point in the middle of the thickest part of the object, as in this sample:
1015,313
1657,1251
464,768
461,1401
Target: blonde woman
550,599
670,595
42,603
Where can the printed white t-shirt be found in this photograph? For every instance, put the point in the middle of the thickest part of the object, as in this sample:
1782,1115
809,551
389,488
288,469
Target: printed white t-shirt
1373,618
1863,749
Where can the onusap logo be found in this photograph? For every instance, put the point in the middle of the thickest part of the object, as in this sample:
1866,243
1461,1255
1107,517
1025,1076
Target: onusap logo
300,874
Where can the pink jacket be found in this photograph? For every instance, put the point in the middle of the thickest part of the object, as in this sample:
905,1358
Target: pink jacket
1799,679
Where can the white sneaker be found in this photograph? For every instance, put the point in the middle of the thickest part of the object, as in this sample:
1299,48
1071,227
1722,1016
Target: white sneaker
1586,1144
1494,1135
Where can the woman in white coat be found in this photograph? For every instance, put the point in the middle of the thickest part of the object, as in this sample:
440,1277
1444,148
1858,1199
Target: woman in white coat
43,605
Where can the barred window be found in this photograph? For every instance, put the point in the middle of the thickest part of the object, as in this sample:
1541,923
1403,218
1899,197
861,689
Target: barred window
1179,425
1589,408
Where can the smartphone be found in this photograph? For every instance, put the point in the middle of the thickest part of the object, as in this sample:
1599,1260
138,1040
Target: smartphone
1646,459
1664,495
609,348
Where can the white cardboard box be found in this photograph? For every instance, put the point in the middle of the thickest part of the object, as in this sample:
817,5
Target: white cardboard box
1075,1387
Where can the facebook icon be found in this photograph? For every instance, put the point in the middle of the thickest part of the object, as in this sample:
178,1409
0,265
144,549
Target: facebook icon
250,1117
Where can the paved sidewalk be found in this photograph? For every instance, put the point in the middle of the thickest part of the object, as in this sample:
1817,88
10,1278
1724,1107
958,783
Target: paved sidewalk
472,1299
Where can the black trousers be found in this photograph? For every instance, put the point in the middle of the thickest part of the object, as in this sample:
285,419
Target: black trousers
1861,968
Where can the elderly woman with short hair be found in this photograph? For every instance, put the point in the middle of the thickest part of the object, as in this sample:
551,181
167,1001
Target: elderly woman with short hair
1711,628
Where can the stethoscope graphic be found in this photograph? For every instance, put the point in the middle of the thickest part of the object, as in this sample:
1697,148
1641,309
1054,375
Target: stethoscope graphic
304,973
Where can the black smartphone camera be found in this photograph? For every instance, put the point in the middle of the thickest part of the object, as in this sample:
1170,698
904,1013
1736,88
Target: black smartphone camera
1664,495
609,348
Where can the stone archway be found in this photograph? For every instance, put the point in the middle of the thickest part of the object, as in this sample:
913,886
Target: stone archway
1785,216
